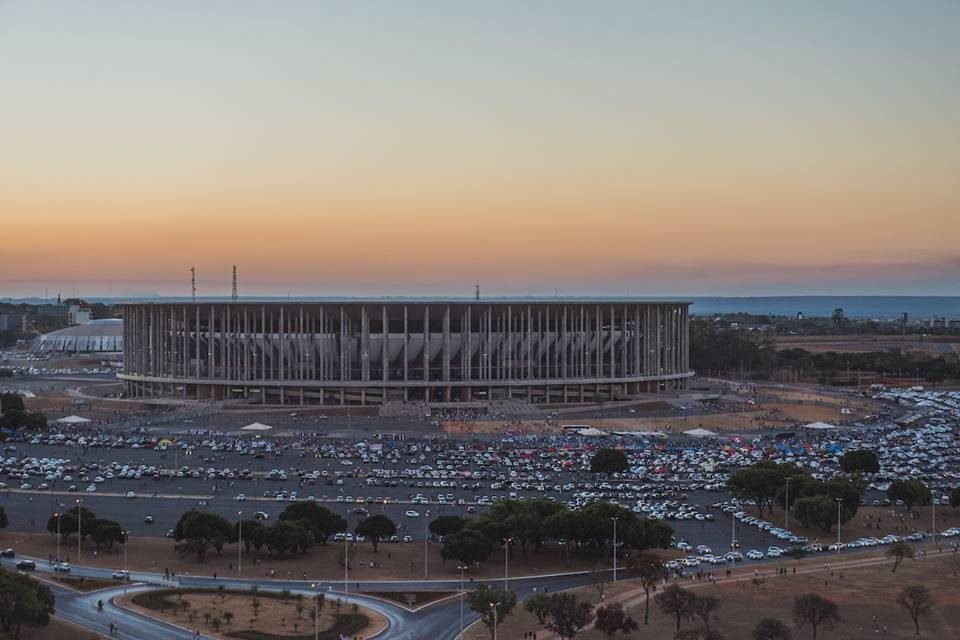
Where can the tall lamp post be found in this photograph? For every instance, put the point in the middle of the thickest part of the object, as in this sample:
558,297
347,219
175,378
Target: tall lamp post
79,526
506,562
240,544
316,612
839,504
126,574
615,518
426,541
462,569
57,516
494,605
786,506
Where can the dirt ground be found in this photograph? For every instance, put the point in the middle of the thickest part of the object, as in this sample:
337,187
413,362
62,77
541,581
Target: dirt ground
59,630
774,408
864,590
932,345
273,615
320,563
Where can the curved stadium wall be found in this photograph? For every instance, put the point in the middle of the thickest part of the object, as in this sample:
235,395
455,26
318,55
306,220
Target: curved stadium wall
374,352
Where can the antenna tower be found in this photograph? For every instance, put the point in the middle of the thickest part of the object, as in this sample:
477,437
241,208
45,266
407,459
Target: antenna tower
234,295
477,292
193,284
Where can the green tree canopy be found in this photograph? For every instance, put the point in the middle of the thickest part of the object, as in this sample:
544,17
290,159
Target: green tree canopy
492,603
322,522
467,546
860,460
445,525
612,619
567,615
106,532
285,536
197,531
24,602
771,629
912,492
376,526
609,461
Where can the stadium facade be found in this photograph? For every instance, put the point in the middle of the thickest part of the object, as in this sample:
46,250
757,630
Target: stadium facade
382,351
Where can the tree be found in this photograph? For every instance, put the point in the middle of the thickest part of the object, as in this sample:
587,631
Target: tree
106,532
910,491
759,482
200,530
650,570
609,461
567,615
599,579
898,551
320,521
284,536
486,599
4,522
68,522
860,460
838,318
250,531
538,605
11,402
376,527
446,525
468,546
705,606
819,511
676,601
915,598
955,498
771,629
23,602
16,419
612,619
813,610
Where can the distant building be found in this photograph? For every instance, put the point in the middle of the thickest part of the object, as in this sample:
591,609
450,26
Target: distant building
11,322
79,314
96,336
57,312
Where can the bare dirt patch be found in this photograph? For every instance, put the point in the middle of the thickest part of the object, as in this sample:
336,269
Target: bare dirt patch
255,616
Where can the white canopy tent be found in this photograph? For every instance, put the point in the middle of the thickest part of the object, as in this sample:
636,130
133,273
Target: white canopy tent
700,433
73,420
819,426
256,426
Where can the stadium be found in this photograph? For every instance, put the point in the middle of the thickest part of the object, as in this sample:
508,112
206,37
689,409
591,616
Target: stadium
375,352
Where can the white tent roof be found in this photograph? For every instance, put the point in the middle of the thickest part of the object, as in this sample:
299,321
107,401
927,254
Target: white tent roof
819,425
73,420
590,431
256,426
699,433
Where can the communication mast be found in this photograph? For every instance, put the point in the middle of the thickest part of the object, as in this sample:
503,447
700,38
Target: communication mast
234,294
193,284
477,292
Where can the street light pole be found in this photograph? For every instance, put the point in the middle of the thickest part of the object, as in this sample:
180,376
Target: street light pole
57,516
240,545
839,503
462,568
426,541
614,547
126,574
316,612
494,605
506,563
79,531
346,563
786,507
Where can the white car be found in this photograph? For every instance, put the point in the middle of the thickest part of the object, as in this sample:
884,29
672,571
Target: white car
241,497
91,488
774,553
410,513
62,567
121,575
131,494
753,554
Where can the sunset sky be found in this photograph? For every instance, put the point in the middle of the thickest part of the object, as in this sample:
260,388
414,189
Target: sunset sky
359,148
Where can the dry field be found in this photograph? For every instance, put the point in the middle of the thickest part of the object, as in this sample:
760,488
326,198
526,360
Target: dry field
865,592
227,614
59,630
320,563
931,345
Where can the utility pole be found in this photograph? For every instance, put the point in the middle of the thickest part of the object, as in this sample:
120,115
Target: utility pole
234,295
193,284
477,292
614,548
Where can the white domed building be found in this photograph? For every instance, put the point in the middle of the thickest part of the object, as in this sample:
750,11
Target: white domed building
96,336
